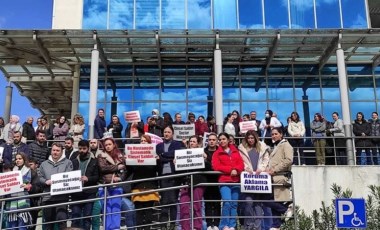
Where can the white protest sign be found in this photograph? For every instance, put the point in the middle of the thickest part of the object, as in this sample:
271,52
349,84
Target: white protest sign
67,182
10,182
1,153
205,139
155,139
140,154
247,125
132,116
183,131
186,159
253,183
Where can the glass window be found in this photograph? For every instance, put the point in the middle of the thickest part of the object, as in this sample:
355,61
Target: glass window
276,14
330,88
252,94
361,88
328,15
147,94
174,94
94,14
282,109
228,107
302,14
354,14
195,94
280,88
124,94
173,108
366,108
377,82
329,108
225,14
198,108
250,14
314,107
231,94
84,95
121,14
199,14
259,107
173,14
147,14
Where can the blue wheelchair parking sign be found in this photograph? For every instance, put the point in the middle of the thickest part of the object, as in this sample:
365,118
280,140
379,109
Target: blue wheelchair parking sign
350,213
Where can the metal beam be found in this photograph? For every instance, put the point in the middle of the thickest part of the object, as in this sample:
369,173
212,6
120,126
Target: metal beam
272,51
39,78
376,61
328,52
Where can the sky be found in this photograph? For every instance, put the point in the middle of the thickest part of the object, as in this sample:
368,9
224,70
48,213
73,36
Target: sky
34,14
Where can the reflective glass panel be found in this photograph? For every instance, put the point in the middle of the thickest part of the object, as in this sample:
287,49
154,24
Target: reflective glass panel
124,94
330,88
146,108
259,107
94,14
302,14
276,14
175,94
231,94
366,108
198,108
282,109
361,88
252,94
147,14
354,14
196,94
199,14
328,15
228,107
225,14
280,88
147,94
173,14
121,14
250,14
330,107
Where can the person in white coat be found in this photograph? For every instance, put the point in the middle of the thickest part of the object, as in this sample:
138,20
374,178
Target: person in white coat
296,131
266,126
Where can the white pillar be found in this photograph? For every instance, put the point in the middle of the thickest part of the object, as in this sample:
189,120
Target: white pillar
218,87
93,91
8,103
345,104
75,95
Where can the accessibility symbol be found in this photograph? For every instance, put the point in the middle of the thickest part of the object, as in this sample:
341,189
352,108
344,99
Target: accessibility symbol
350,213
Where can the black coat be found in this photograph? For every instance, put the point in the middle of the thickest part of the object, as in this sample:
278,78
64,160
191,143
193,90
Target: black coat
92,173
168,156
39,152
143,172
28,132
358,129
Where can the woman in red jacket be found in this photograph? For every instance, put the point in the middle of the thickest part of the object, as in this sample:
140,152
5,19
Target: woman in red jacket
228,161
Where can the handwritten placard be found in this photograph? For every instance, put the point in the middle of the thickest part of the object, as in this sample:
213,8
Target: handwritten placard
183,131
247,125
255,183
67,182
132,116
140,154
10,182
186,159
155,139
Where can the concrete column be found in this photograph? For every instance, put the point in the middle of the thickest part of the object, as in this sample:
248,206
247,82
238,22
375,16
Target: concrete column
218,87
8,103
345,104
75,95
93,91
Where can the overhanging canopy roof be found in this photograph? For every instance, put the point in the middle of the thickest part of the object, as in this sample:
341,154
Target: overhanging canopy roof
41,63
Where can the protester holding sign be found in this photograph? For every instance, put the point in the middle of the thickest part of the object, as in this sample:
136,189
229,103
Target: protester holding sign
112,170
20,219
196,193
57,163
228,161
280,162
144,202
165,152
133,132
88,165
255,155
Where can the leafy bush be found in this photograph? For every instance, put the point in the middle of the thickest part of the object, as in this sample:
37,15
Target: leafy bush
324,218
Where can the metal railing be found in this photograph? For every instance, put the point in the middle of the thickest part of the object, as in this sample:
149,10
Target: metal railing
156,224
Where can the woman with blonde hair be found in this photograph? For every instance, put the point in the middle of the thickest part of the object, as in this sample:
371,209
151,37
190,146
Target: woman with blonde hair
77,129
255,155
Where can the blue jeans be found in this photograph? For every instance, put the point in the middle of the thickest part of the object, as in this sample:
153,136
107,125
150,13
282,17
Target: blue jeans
113,206
230,195
19,223
267,222
128,209
82,210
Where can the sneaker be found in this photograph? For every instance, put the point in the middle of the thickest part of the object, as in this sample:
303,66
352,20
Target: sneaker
212,228
289,213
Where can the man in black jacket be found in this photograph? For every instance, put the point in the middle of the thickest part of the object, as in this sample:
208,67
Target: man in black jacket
38,149
87,164
28,130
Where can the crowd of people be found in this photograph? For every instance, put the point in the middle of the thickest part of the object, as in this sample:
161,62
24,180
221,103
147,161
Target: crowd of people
268,147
